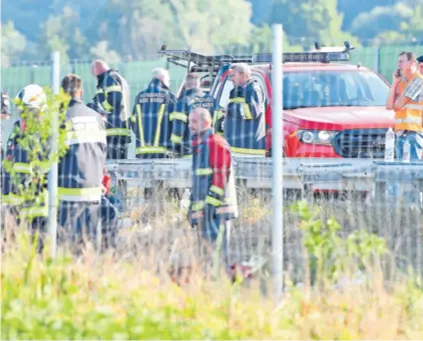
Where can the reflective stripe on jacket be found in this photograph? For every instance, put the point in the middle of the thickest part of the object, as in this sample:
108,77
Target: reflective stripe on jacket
245,120
111,97
180,137
81,169
21,187
411,116
213,178
150,120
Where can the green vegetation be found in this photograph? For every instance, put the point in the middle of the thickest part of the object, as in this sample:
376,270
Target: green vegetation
106,297
127,34
119,295
331,256
123,295
126,30
37,143
112,297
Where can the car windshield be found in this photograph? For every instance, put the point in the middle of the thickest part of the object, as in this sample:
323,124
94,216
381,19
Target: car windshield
333,88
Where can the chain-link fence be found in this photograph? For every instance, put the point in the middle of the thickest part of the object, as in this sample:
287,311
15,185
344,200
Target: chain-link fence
335,124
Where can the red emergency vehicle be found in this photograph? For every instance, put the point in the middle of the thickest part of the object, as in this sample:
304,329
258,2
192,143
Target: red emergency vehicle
332,109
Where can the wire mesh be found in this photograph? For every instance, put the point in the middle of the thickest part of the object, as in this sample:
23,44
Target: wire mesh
335,124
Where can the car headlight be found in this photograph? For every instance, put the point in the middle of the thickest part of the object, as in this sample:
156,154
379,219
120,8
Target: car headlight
324,136
307,136
316,136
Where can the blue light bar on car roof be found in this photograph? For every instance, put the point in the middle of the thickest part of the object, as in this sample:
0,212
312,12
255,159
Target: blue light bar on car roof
304,57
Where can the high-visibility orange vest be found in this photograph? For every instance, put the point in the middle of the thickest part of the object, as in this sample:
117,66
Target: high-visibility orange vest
411,116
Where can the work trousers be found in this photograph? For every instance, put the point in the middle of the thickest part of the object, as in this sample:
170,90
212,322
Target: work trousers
415,140
81,222
117,148
416,145
213,240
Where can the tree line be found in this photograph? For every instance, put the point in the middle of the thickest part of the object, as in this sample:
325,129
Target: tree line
125,30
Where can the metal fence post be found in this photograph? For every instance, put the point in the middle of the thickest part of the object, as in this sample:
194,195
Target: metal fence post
53,176
33,68
277,140
377,59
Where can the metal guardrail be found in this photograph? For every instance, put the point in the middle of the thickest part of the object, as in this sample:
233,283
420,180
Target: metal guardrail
256,173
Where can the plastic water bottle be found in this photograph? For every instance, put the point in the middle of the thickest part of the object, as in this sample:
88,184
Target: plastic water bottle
406,152
389,145
184,203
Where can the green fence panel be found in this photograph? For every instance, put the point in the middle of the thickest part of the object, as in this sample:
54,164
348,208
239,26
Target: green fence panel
389,57
138,73
365,56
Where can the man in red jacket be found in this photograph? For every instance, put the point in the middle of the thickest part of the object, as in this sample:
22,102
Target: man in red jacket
213,199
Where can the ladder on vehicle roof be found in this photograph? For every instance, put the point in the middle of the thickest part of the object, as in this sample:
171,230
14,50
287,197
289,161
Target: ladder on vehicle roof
196,62
319,55
201,62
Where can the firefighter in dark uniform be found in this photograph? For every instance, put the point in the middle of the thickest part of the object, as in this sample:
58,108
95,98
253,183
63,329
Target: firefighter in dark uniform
150,117
23,189
192,98
112,102
83,204
218,118
5,115
9,200
245,125
213,200
12,142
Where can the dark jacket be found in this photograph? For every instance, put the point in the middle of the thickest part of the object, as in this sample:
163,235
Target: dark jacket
109,100
245,120
181,137
21,184
213,186
4,111
81,169
150,120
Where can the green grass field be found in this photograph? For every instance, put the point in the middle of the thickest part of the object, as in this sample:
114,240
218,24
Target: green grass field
129,295
101,298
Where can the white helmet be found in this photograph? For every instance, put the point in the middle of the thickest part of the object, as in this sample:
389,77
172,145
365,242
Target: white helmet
32,96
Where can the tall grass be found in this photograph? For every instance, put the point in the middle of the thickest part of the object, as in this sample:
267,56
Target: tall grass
114,297
130,294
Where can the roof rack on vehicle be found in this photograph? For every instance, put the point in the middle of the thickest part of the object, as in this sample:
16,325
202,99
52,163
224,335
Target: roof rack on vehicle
346,48
330,55
200,61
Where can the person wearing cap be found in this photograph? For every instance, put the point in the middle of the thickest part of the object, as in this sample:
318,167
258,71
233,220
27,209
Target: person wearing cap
112,101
